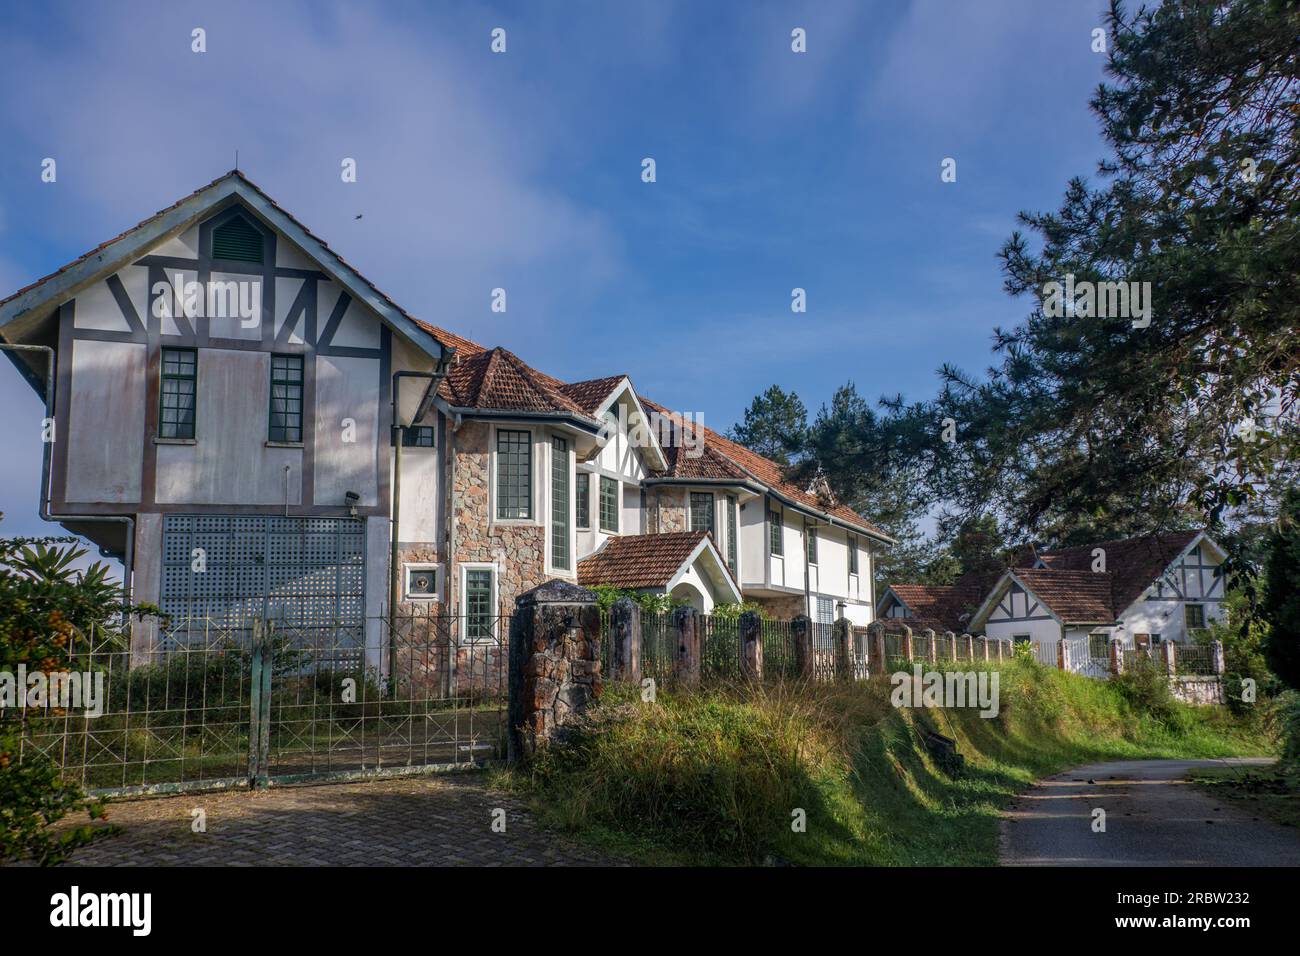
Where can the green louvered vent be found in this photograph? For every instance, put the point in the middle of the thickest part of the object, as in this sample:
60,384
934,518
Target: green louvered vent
237,240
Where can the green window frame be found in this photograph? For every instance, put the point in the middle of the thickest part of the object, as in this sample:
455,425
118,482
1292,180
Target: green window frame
514,474
237,240
417,436
775,533
1194,617
559,503
731,536
286,399
853,554
608,505
702,510
479,613
582,502
811,532
178,393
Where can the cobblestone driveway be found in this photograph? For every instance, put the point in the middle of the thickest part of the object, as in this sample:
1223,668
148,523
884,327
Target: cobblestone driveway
420,821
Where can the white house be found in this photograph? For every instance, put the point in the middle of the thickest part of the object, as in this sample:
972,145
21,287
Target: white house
256,429
1144,591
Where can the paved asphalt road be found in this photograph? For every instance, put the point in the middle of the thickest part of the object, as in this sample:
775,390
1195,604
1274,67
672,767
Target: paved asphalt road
1154,817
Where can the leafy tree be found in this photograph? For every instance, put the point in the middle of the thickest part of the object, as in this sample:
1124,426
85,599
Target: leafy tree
868,461
1097,424
1280,606
979,548
775,425
48,612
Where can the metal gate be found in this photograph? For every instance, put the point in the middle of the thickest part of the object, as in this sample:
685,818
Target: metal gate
233,707
1090,655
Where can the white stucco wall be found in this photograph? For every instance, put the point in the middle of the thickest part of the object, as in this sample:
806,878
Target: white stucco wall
105,422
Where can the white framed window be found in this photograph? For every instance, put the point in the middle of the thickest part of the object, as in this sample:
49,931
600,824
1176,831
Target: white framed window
825,610
609,504
421,581
479,620
701,511
561,552
513,474
582,506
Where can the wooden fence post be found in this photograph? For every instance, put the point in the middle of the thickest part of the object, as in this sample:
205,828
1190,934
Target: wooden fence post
625,641
751,645
1063,654
801,632
985,641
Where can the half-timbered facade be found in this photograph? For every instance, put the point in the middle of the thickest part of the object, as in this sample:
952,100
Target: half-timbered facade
1144,591
258,431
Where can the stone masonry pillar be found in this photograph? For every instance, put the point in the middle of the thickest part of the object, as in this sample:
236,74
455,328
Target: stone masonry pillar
751,645
554,664
843,631
876,647
686,652
625,641
801,632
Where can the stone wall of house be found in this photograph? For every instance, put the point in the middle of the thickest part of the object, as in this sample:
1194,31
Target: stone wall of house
419,552
667,510
784,608
517,550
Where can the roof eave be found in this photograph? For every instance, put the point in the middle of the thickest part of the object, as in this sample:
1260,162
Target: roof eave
579,421
68,282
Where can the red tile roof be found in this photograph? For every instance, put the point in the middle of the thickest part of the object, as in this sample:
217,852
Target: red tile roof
1076,597
940,607
498,379
639,560
722,458
1133,563
591,394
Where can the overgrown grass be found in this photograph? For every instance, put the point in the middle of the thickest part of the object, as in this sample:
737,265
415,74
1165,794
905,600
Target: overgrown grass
1271,792
719,776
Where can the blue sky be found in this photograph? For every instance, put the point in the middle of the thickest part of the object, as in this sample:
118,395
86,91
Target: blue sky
522,170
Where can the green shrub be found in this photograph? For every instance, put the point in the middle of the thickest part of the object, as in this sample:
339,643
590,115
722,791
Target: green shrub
711,773
1144,683
32,797
714,775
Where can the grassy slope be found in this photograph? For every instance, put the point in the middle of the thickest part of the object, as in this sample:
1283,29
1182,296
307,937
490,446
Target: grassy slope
714,777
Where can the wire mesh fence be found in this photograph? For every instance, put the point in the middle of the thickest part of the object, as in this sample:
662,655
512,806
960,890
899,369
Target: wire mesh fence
1195,660
224,706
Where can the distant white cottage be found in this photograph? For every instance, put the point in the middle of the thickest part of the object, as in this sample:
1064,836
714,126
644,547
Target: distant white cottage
1144,591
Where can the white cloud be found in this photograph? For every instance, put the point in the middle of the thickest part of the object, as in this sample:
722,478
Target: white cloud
453,180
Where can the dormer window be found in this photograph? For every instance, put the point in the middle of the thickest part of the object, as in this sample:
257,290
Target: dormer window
237,240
